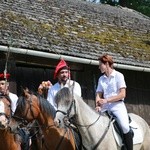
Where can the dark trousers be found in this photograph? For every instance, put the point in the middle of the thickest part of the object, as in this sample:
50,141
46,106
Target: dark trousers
25,139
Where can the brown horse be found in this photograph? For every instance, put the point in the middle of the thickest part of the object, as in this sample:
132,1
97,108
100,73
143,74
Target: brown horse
7,139
31,107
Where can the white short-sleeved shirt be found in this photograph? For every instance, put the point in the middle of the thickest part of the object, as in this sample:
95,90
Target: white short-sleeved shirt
14,99
56,87
110,86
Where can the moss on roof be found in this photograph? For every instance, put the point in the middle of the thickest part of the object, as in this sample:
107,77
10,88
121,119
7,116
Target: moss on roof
65,31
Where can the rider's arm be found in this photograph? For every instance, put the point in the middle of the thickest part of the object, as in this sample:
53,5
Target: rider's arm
99,95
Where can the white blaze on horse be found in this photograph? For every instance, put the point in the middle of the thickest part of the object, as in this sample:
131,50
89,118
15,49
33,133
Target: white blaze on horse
5,112
96,129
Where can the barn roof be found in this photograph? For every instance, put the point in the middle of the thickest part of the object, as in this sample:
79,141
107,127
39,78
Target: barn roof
75,28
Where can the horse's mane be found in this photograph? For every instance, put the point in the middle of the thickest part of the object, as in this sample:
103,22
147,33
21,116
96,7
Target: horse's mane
46,106
43,104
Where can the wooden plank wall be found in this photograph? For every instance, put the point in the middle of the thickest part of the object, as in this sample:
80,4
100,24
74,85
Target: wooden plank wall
138,93
138,84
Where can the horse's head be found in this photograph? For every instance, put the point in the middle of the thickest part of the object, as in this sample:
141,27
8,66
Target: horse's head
27,110
66,107
5,111
31,107
27,106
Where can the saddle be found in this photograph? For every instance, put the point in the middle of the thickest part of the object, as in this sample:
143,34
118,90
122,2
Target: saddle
116,126
76,134
118,133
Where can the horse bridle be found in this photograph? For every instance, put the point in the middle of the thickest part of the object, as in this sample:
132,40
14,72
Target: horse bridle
67,115
21,119
69,110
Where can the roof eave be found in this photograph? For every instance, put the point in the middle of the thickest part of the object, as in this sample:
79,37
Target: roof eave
68,58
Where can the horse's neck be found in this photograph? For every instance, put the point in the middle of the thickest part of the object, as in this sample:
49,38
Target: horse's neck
7,141
90,123
85,114
5,134
89,116
47,123
52,134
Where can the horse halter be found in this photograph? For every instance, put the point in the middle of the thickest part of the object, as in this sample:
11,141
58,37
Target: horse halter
67,114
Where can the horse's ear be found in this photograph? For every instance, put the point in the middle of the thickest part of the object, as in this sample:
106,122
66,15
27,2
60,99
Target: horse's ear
26,90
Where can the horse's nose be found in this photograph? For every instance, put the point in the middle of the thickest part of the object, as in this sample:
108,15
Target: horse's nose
57,122
2,125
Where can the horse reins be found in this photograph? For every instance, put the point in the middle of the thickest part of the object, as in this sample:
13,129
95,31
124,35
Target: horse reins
104,134
24,121
69,110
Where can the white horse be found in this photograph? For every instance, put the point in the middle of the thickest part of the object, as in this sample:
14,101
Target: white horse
96,129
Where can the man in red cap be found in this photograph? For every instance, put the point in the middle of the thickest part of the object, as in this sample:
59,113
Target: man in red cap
62,73
4,90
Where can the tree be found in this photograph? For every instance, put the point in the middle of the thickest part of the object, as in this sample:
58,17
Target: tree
142,6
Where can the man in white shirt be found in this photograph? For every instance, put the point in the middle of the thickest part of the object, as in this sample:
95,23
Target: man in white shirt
62,73
4,90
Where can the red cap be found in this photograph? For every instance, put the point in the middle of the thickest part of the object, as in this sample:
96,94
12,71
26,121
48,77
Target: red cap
3,77
62,64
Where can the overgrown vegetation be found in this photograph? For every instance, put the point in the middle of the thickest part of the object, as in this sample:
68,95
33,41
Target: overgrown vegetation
142,6
115,38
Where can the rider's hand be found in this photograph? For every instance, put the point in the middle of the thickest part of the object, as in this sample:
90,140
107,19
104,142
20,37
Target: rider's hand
102,101
98,108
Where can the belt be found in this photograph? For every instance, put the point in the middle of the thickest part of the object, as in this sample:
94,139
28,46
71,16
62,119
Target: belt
120,100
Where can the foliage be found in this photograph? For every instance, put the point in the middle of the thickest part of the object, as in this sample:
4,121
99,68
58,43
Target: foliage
142,6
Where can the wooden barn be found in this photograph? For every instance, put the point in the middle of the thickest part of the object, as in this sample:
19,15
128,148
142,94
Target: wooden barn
36,34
